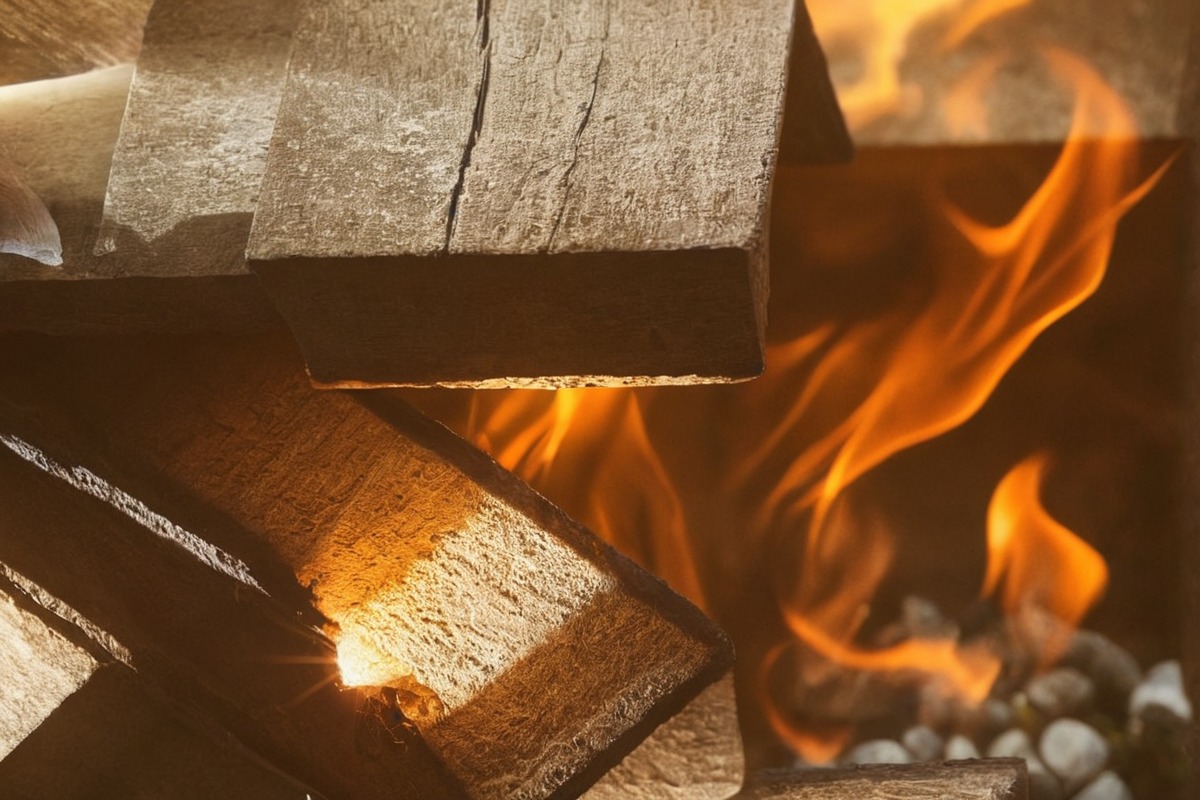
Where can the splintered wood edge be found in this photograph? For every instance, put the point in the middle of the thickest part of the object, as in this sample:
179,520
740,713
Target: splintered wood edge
979,779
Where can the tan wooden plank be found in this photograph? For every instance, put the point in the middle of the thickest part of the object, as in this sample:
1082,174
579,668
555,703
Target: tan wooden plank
552,193
529,655
983,779
60,136
695,755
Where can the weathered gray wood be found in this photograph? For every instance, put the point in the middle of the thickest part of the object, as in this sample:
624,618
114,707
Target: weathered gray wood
530,656
525,191
195,620
169,253
695,755
60,134
50,38
983,779
76,720
188,162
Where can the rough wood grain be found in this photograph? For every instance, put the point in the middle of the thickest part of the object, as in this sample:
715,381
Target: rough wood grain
525,191
51,38
195,619
60,134
188,162
76,720
984,779
695,755
530,656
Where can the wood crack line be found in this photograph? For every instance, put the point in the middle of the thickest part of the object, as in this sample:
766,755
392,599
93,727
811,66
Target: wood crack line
587,115
483,32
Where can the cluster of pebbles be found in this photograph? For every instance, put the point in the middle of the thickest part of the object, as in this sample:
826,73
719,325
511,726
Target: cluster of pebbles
1093,727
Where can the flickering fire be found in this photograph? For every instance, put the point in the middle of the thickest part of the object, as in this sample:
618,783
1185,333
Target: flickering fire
858,394
1046,577
879,32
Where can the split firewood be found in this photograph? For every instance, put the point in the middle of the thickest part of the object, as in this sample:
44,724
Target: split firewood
530,656
198,627
168,250
76,719
695,755
51,38
525,192
984,779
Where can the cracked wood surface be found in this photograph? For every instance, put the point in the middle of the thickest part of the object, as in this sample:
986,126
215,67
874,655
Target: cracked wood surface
525,191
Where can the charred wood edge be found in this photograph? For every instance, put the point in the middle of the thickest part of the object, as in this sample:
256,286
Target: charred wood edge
493,478
814,130
1011,777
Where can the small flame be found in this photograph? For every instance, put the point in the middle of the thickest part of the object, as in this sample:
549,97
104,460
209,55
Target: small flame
1047,577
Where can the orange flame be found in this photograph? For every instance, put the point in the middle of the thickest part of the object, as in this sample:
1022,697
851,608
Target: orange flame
928,366
868,392
591,451
1050,577
879,31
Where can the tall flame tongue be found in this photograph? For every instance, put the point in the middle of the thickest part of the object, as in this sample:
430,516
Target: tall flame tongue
1046,576
926,368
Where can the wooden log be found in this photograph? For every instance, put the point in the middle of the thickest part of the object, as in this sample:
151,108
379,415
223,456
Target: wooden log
76,720
695,755
982,779
525,192
167,252
529,655
51,38
197,625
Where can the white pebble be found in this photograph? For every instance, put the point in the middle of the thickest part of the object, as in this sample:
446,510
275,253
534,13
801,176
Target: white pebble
879,751
923,742
1162,694
1061,692
1073,751
1107,786
1014,743
960,748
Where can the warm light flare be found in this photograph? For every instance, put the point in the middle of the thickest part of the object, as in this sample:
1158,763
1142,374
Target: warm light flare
1037,565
